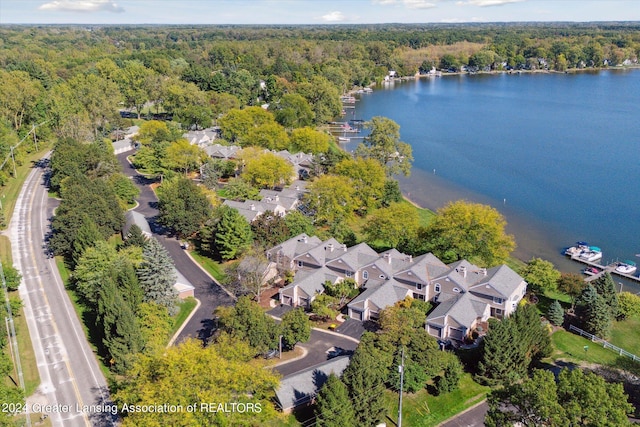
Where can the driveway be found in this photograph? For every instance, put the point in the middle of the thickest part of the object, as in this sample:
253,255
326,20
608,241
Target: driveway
317,347
210,294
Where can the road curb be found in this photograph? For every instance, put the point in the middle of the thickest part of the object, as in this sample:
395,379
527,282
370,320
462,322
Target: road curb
210,276
302,356
184,324
323,331
463,412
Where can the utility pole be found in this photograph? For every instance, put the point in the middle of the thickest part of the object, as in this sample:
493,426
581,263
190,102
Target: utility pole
401,370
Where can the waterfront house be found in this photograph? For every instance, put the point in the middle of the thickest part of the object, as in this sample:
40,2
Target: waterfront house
466,295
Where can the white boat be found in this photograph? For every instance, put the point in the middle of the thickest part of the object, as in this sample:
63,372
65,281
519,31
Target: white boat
591,254
626,267
576,249
343,139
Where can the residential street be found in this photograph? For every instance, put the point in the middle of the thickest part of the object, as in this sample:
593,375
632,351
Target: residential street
210,294
69,373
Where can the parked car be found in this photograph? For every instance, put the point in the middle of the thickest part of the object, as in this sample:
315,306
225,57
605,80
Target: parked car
337,351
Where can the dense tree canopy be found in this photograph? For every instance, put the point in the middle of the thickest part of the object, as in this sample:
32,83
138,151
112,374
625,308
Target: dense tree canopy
464,230
384,146
183,206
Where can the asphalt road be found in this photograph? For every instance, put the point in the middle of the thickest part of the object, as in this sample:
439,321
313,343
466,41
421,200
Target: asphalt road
317,347
69,373
474,417
209,293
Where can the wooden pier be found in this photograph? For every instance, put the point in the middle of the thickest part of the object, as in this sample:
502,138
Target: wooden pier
610,268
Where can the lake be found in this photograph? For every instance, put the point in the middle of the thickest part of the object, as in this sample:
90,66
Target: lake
557,154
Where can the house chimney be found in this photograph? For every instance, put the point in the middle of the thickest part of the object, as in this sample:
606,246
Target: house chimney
484,271
252,207
463,271
410,258
344,247
330,246
304,238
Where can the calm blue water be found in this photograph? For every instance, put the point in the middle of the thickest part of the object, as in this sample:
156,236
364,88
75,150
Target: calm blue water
558,154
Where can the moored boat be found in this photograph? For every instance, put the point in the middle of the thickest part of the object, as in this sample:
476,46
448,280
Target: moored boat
591,271
576,249
626,267
593,253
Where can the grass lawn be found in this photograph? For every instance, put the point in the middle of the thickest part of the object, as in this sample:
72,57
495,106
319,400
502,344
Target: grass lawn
186,307
213,267
570,347
423,410
626,335
25,348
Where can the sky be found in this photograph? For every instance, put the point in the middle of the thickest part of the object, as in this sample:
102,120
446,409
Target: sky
311,11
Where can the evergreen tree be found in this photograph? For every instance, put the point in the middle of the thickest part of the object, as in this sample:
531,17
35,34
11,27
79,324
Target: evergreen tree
333,407
555,313
365,379
501,358
594,313
270,230
450,378
233,233
183,206
135,237
606,288
295,327
122,337
87,236
157,276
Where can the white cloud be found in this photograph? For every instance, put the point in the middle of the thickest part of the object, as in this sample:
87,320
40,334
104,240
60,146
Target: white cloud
82,6
410,4
486,3
335,16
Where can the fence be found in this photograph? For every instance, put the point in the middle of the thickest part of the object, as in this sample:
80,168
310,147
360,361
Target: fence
605,344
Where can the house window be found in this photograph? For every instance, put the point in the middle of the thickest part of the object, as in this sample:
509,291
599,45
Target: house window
365,274
418,296
418,286
497,300
436,288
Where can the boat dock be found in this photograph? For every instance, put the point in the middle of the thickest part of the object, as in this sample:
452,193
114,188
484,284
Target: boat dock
610,268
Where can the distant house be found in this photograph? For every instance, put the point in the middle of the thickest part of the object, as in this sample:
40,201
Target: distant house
183,286
466,294
300,389
202,137
225,152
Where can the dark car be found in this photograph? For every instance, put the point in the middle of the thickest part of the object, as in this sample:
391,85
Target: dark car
337,351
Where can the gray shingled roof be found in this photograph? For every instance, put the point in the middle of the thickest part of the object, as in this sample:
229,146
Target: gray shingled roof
300,388
250,209
311,281
463,310
382,295
423,268
295,246
133,217
354,257
318,255
501,278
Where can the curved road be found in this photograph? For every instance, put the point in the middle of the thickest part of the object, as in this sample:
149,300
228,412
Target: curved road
71,381
208,292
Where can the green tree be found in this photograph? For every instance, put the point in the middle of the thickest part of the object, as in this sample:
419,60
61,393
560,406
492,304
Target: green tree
323,98
606,288
330,198
463,230
185,157
236,124
393,224
267,170
154,131
12,276
240,190
233,234
298,223
269,135
292,111
365,379
333,406
309,140
541,275
589,400
183,206
134,81
157,275
190,373
295,328
135,237
450,378
124,189
155,325
628,305
555,314
593,312
384,146
367,178
270,230
247,321
571,284
391,193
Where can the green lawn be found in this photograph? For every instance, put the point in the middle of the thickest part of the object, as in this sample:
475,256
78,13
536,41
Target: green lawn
570,347
213,267
423,410
626,335
186,307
